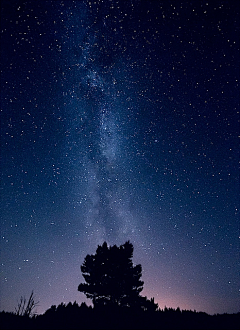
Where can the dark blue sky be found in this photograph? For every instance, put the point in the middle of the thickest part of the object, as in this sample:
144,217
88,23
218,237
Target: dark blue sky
120,122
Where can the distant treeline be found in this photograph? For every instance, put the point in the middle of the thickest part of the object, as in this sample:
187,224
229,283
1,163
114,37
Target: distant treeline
73,316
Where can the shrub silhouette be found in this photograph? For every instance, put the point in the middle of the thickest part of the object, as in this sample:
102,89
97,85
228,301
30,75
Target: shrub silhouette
26,307
112,279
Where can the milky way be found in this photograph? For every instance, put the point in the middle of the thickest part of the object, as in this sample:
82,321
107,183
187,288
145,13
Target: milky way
120,122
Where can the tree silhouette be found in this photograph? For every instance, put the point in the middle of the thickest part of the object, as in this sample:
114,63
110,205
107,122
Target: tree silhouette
111,279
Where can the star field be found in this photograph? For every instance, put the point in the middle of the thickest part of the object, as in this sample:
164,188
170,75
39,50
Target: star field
120,121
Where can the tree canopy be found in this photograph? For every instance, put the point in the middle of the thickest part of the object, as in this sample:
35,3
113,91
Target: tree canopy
111,278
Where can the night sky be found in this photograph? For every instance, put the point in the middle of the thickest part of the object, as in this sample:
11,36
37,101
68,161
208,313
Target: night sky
119,121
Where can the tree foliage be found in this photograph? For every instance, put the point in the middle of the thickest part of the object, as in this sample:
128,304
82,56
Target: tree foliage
111,278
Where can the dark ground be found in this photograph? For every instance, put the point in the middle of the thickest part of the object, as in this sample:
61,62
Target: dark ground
74,317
